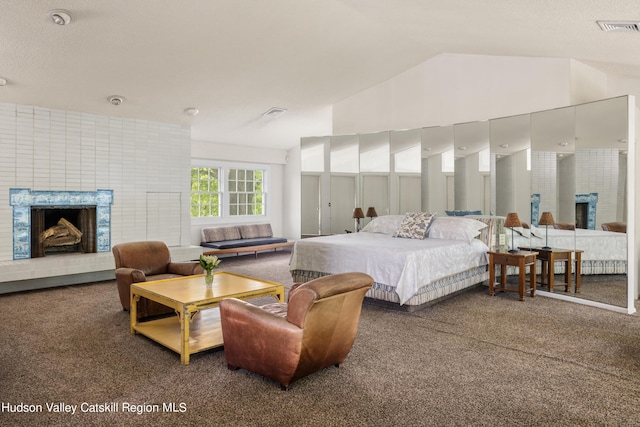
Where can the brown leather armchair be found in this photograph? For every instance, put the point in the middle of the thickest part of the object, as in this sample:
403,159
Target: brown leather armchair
618,227
145,261
287,341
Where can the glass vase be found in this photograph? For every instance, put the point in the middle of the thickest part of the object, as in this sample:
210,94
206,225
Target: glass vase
208,278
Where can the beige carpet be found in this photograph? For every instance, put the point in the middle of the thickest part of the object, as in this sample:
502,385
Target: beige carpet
470,360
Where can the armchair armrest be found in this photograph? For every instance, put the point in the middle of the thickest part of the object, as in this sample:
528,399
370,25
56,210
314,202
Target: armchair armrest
186,268
130,275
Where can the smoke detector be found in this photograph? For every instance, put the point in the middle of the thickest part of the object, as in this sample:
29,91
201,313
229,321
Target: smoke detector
60,17
116,99
620,26
191,111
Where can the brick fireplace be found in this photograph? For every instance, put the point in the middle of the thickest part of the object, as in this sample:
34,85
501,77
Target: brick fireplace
33,212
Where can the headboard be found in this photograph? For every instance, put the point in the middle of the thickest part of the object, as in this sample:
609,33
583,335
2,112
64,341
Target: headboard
491,234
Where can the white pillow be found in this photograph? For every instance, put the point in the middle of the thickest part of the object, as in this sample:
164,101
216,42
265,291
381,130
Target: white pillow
386,224
455,228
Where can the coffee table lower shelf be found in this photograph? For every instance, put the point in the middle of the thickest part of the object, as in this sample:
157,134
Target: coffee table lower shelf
205,331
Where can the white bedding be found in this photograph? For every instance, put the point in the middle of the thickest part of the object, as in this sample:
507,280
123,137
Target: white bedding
597,245
407,264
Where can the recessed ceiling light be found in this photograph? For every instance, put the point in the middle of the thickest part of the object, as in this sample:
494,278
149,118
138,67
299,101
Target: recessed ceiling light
60,17
504,145
427,148
462,148
563,144
274,112
3,81
116,99
191,111
623,140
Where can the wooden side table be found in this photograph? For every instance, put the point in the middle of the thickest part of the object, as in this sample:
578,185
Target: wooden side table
520,259
549,257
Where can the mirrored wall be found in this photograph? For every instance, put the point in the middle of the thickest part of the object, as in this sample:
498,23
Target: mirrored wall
569,162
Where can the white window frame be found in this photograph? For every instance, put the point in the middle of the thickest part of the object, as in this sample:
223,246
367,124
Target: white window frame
224,191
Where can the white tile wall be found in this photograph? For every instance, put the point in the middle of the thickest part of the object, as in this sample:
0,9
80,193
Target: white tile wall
45,149
598,172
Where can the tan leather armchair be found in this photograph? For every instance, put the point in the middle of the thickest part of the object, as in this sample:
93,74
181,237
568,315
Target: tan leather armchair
145,261
287,341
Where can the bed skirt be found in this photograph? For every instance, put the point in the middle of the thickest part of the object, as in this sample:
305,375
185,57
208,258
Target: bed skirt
588,267
426,294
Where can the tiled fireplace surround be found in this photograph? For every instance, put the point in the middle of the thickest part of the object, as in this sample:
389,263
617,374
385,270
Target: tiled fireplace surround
144,164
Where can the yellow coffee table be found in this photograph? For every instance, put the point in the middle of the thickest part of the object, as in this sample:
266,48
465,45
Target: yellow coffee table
197,326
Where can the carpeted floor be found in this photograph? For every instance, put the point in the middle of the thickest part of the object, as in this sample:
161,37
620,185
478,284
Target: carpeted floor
469,360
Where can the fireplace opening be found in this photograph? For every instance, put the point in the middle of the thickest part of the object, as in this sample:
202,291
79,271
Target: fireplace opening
62,230
582,215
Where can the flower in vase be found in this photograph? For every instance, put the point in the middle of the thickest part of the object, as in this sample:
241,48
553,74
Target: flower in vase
209,262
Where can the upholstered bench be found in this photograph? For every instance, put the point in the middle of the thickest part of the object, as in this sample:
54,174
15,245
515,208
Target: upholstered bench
240,238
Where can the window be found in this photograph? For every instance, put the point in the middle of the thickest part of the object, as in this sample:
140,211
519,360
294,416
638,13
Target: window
246,195
205,192
228,190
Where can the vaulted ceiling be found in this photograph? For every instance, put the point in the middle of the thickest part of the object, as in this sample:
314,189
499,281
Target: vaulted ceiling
235,59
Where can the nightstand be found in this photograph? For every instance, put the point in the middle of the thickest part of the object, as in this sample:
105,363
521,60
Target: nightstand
549,257
520,259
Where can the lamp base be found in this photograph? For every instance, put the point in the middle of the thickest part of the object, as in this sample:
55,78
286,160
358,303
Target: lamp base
513,251
546,247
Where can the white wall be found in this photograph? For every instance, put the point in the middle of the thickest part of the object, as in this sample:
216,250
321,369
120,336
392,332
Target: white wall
45,149
451,88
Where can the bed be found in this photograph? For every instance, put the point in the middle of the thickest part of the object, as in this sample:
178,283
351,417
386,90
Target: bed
604,252
445,256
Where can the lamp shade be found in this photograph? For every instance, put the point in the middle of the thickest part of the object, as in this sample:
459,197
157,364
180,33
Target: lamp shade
371,212
357,213
512,220
546,219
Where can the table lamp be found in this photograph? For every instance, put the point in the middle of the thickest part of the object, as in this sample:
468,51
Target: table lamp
546,219
357,214
371,213
511,221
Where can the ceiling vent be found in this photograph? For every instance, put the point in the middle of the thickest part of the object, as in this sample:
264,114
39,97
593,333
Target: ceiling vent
620,26
274,112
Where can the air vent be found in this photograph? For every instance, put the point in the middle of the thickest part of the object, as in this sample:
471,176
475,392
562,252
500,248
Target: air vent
620,26
274,112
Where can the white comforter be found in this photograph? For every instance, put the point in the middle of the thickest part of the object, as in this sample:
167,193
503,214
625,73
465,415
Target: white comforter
596,244
407,264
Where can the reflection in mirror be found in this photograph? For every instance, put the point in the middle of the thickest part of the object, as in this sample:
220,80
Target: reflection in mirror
553,166
601,198
344,156
472,167
552,187
510,148
405,180
437,169
312,162
374,172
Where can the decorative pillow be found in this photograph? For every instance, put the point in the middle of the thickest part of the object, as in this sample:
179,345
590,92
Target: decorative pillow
386,224
414,225
455,228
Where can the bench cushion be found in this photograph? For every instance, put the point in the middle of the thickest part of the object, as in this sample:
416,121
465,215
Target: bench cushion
252,231
219,234
241,243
